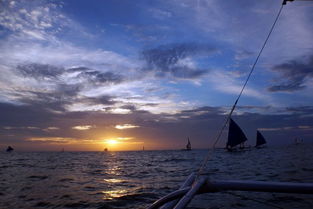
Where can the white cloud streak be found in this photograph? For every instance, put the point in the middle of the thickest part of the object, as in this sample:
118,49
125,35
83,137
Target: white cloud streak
83,127
126,126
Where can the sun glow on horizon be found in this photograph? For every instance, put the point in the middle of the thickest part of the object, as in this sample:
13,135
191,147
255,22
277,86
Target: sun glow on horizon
111,141
122,143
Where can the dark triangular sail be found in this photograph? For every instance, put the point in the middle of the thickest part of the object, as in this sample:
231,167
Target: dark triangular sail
188,146
260,140
235,135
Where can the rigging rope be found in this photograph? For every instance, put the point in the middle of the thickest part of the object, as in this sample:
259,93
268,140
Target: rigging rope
242,89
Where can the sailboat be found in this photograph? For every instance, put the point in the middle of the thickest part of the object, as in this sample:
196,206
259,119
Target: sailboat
298,141
260,140
235,136
188,146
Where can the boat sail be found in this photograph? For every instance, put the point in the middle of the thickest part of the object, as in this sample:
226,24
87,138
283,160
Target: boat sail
188,146
260,140
235,136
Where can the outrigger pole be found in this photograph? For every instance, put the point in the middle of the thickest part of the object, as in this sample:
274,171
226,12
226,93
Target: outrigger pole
204,185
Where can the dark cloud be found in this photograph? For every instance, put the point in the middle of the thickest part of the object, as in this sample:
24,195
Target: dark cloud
294,86
252,107
67,90
40,71
295,72
48,101
166,59
78,69
305,110
97,77
129,107
54,100
62,94
202,113
104,99
23,115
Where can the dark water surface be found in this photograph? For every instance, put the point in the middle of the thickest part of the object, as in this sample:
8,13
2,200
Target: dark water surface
136,179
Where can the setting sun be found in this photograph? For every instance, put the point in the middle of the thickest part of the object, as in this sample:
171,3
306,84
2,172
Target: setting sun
122,143
111,142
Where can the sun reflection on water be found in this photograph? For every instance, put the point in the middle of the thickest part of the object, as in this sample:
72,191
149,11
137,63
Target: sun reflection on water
109,195
113,180
114,170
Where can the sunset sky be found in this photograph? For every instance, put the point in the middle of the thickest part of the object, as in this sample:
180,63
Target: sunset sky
123,74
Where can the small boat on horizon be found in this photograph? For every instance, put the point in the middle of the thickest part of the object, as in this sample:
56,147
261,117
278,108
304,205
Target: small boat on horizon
9,149
298,141
188,146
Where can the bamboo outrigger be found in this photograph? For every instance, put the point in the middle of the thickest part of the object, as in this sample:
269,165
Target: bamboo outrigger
181,197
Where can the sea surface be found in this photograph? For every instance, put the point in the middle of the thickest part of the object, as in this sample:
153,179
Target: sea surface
104,180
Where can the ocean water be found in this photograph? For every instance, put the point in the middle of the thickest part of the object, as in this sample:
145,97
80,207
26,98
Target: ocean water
136,179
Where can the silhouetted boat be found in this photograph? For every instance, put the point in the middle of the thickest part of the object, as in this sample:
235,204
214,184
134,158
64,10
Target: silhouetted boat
9,149
235,137
260,140
188,146
105,149
298,141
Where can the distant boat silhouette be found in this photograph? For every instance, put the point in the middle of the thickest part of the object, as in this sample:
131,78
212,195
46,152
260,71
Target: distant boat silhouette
260,140
235,137
143,148
298,141
105,149
188,146
9,149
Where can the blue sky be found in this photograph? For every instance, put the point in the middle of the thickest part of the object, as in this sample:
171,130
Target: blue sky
151,65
